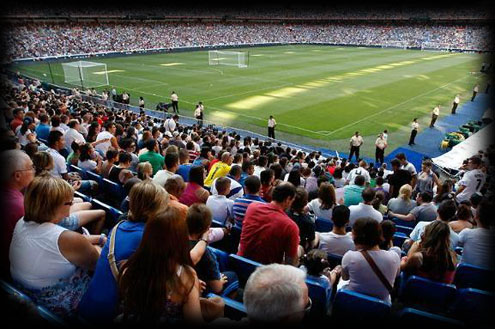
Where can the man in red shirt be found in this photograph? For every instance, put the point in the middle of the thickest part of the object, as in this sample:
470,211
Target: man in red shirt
18,118
17,172
268,235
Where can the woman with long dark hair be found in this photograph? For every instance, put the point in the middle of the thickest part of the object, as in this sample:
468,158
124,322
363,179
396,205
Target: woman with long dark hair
432,256
322,206
157,283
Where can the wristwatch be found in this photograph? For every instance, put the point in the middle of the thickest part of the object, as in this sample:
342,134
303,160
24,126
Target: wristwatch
203,239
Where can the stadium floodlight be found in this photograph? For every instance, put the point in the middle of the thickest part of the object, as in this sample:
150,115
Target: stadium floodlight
431,45
395,44
232,58
85,74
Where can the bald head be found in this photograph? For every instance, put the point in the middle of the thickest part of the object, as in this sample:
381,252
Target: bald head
16,169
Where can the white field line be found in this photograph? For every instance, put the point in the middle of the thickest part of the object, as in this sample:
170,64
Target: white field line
394,106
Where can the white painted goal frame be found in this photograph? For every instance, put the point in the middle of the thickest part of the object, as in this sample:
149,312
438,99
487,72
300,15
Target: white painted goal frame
231,58
85,74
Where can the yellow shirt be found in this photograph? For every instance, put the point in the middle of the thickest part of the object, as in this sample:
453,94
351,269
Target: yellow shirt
219,169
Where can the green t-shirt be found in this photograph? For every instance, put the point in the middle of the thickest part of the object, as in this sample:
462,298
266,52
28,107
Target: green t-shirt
156,160
372,182
352,195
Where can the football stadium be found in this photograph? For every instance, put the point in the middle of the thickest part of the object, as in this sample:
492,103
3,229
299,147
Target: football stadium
302,164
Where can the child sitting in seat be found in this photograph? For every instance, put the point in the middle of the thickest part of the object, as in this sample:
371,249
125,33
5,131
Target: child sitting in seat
315,263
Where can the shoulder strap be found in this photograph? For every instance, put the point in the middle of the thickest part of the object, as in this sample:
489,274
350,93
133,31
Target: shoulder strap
377,271
111,253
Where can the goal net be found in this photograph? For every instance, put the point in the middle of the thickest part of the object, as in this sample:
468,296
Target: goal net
429,45
85,74
232,58
395,44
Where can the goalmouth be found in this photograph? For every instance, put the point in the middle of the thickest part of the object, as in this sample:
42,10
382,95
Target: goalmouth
231,58
85,74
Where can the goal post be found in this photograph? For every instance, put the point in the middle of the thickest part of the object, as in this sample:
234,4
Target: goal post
85,74
231,58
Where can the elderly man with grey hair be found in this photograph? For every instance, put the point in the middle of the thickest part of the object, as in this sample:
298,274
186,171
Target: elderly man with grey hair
276,293
17,172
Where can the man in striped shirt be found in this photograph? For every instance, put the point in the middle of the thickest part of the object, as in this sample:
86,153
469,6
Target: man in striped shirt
252,194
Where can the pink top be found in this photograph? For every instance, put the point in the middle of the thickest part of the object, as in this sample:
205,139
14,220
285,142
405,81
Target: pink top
190,194
12,206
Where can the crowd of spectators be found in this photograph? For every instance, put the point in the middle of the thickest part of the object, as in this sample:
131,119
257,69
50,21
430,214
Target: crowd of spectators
27,40
155,265
266,11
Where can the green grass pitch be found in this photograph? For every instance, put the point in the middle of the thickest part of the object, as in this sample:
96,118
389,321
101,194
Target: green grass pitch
319,95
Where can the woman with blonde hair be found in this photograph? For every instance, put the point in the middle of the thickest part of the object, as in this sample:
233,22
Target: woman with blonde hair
49,262
403,203
43,163
144,170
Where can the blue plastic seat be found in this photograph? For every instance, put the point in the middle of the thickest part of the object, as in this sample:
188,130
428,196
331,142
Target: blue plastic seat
222,258
427,294
351,306
320,292
81,171
474,306
470,276
334,259
417,318
401,222
323,225
114,190
243,267
20,297
112,214
233,309
404,229
399,239
94,176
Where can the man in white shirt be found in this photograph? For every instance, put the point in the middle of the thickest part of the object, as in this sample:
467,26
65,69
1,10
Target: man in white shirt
171,123
361,170
271,127
355,142
56,142
260,165
172,164
107,134
175,102
220,206
472,181
381,145
365,209
73,135
409,167
414,131
455,103
338,241
434,115
198,114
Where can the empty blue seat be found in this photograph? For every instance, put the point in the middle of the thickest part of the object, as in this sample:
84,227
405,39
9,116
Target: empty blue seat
351,306
424,293
114,190
417,318
470,276
320,292
474,306
323,225
334,260
243,267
